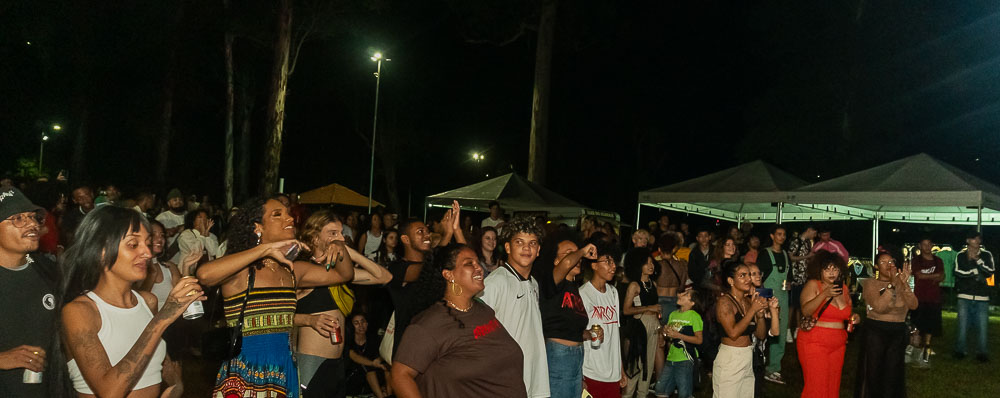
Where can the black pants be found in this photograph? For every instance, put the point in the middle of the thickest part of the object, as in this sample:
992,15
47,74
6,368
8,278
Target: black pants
881,370
329,381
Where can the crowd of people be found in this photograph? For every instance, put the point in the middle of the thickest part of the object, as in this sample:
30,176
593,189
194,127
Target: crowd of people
111,296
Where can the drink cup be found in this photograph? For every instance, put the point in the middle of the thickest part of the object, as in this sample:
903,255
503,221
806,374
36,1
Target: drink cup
31,377
194,311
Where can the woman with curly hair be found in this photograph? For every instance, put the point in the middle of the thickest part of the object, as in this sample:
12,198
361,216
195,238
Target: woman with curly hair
320,311
261,237
821,349
452,348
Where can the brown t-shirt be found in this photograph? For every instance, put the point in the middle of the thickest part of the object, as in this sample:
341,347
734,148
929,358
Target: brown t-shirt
479,360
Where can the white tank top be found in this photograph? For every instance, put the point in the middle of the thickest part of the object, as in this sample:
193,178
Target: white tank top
162,289
120,328
372,244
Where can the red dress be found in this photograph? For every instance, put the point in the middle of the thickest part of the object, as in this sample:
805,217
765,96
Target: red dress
821,352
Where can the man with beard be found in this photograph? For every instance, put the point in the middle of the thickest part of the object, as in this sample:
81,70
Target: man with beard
774,266
173,218
83,197
29,300
513,294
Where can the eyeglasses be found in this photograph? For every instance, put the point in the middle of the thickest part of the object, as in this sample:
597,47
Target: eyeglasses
22,220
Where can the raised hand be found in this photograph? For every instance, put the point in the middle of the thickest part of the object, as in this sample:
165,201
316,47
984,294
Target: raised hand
185,292
277,250
456,216
590,251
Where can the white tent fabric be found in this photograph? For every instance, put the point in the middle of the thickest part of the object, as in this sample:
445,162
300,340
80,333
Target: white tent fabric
515,193
748,192
918,189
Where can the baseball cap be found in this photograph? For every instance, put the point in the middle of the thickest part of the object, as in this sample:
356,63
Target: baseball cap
13,201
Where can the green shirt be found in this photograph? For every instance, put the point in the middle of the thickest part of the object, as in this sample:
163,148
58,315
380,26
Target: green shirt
682,319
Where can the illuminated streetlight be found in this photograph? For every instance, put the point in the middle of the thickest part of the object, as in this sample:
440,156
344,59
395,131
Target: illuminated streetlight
377,57
41,145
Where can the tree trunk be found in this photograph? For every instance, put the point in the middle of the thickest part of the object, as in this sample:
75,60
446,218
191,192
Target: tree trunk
230,99
540,96
243,167
167,113
276,102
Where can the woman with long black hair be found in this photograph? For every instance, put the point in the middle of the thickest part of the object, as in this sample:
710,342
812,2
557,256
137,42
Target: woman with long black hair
453,348
641,302
113,333
261,240
740,313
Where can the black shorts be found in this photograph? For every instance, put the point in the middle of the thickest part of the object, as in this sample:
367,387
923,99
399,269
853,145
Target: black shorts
927,318
793,296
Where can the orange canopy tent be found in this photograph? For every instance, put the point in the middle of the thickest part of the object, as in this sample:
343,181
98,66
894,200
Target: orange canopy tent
335,194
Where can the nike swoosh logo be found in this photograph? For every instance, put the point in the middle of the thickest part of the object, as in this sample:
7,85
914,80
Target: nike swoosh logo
521,295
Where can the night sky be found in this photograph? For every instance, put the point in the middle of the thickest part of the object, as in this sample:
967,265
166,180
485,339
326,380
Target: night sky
644,93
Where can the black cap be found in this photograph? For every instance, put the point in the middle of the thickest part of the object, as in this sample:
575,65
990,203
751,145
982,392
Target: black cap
13,201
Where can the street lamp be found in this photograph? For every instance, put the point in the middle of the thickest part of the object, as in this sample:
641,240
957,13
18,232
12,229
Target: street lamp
41,146
478,157
377,57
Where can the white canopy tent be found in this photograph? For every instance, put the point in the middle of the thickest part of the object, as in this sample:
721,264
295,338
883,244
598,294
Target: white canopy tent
516,194
752,191
916,189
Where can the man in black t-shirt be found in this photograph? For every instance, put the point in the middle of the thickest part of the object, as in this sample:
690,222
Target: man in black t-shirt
29,300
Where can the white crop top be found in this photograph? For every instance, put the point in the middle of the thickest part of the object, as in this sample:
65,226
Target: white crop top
162,289
120,328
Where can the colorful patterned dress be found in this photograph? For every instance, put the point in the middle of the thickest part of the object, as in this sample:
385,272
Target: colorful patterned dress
264,367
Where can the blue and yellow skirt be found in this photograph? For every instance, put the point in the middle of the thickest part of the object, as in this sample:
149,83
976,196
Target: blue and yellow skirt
264,368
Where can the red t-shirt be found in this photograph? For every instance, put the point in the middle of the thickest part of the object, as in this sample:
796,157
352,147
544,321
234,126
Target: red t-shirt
927,290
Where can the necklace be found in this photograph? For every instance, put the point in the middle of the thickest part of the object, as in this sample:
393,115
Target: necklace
452,305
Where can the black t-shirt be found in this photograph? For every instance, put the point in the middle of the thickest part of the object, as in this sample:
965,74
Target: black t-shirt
698,265
28,303
403,298
478,360
563,314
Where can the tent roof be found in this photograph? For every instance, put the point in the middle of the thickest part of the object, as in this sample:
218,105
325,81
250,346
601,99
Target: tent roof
335,194
918,188
746,191
514,193
511,190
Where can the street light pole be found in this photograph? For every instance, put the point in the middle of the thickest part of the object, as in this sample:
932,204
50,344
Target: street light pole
41,146
377,57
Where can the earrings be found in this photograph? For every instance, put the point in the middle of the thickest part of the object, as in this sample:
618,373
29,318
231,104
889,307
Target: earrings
455,288
258,238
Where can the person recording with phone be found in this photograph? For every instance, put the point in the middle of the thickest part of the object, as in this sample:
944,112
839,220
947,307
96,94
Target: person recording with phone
822,343
881,371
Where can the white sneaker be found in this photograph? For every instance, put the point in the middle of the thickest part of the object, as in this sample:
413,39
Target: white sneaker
789,338
775,377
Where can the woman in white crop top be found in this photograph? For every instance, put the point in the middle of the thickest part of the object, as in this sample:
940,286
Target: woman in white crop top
113,333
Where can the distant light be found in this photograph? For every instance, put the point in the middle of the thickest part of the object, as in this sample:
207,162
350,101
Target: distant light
28,43
377,56
45,138
56,127
977,159
895,230
817,175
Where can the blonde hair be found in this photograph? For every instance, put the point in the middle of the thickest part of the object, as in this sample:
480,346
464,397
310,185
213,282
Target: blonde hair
315,223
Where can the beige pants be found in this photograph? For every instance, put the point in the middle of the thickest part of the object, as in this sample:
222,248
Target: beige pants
732,374
638,383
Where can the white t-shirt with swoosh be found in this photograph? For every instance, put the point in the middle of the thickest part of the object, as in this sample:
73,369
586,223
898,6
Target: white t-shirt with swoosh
515,301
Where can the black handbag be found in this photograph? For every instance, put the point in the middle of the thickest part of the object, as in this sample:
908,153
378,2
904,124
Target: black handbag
225,342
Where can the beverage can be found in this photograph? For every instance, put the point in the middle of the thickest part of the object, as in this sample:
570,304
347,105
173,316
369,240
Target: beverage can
31,377
194,311
850,326
335,337
595,340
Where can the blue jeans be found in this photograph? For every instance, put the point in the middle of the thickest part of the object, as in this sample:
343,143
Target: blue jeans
976,313
565,369
668,304
675,374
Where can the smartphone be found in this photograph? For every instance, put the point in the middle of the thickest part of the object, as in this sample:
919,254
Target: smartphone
293,252
765,292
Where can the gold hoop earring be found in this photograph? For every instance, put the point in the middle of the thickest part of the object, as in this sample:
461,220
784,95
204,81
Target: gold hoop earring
456,289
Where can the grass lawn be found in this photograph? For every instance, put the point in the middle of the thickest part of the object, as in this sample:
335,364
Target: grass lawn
946,378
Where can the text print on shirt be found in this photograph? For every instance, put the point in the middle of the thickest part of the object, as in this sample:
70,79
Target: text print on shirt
604,313
485,329
574,302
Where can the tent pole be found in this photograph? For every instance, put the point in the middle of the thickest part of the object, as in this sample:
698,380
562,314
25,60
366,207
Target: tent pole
979,218
739,221
638,212
425,210
777,216
874,236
